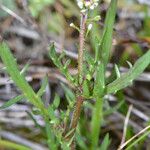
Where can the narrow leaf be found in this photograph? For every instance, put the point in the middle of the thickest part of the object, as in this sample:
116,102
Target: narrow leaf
105,143
132,74
86,91
11,102
19,79
12,145
117,71
25,68
106,41
43,87
99,84
97,118
56,101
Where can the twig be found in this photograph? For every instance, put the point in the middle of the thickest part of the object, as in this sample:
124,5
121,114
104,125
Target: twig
10,12
126,124
131,139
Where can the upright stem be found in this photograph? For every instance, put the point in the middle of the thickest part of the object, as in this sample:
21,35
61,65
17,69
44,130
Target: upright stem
81,45
79,98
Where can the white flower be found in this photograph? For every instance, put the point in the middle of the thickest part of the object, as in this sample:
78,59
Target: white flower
71,24
87,4
90,26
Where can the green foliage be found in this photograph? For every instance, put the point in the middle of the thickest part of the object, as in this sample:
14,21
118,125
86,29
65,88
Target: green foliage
11,145
106,42
57,61
127,78
105,143
11,102
19,79
97,118
36,6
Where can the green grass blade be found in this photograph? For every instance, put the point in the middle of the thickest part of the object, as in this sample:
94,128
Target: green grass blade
138,140
11,102
106,41
18,78
12,145
105,143
127,78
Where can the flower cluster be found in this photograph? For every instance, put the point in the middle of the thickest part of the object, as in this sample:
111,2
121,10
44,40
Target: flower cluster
87,4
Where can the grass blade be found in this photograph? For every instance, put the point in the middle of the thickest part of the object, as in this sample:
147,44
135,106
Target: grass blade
127,78
138,140
105,143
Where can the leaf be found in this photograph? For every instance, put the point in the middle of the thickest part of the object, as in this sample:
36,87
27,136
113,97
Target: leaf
56,60
19,79
97,119
12,145
56,101
99,84
25,68
86,91
43,87
132,74
68,93
105,143
106,41
54,57
117,71
138,140
11,102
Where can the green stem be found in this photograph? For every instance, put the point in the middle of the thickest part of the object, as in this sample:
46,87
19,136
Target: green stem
97,117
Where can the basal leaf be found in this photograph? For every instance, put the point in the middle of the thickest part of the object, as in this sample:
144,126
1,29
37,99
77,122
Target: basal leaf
132,74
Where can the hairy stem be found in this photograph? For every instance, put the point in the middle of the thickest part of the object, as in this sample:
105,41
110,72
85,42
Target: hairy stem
81,45
79,98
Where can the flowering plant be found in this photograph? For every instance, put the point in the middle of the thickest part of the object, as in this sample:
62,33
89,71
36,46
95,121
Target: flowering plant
90,83
87,4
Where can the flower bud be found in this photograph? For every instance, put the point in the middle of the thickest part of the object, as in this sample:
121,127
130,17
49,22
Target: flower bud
87,4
